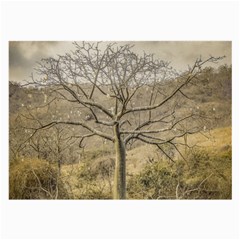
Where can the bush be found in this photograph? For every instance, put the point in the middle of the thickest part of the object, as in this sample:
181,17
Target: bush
35,179
209,175
155,181
202,176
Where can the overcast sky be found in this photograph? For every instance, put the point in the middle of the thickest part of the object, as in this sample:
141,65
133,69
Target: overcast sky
24,55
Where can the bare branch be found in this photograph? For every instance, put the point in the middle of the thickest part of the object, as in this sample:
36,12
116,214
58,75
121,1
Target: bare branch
91,129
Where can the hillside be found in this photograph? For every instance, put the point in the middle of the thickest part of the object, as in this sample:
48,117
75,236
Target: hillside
213,154
85,168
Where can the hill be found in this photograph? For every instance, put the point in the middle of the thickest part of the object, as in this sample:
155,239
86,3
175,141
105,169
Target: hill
87,167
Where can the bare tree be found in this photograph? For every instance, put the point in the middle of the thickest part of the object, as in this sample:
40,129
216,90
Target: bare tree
53,145
123,96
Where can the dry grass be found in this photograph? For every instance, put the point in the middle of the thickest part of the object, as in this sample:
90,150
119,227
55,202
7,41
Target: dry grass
214,140
35,179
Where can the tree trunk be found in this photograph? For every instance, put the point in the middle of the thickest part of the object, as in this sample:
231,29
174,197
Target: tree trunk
119,191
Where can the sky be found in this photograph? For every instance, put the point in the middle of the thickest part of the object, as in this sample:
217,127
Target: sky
23,55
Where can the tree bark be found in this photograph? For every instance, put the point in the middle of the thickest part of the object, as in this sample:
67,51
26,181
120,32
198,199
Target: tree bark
119,191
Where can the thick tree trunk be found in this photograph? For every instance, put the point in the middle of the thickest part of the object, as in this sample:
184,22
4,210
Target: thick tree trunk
119,191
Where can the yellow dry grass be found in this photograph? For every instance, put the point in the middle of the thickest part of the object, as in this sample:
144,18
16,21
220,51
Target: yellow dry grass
214,140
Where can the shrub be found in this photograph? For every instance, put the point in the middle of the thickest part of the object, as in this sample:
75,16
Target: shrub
155,181
209,175
35,179
204,175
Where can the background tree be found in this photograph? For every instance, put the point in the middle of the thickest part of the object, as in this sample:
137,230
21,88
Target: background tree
122,96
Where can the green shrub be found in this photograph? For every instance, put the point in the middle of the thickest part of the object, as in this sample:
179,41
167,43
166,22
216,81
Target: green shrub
156,181
203,175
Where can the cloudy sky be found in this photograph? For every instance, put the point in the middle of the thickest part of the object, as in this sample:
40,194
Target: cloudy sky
24,55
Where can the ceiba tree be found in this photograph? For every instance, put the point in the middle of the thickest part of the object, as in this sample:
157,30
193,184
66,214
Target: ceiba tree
128,97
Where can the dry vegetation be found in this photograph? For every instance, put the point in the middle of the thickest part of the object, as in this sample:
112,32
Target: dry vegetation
206,173
56,164
35,179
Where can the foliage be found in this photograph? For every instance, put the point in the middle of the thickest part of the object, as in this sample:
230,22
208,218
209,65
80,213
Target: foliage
35,179
203,176
154,182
